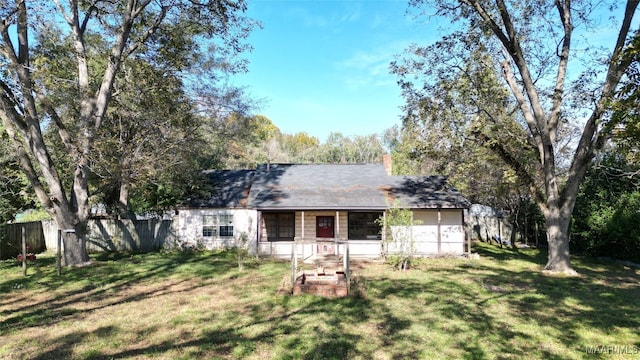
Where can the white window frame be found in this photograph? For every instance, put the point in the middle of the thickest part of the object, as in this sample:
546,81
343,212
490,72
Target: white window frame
219,225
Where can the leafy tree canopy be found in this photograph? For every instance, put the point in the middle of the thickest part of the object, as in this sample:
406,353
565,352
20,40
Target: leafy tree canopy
517,79
47,87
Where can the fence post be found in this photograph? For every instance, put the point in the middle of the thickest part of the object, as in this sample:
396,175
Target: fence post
293,264
59,253
24,251
347,270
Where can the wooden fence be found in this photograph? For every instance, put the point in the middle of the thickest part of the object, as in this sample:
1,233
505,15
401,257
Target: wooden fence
11,239
102,236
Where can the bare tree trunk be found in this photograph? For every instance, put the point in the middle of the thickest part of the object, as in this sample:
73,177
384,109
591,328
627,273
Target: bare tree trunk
559,259
74,239
75,249
123,199
514,232
525,234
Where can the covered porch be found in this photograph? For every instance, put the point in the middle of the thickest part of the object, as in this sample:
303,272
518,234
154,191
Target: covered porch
319,233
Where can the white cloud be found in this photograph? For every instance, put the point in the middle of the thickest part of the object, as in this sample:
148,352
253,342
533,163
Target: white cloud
306,17
310,15
370,69
379,20
351,16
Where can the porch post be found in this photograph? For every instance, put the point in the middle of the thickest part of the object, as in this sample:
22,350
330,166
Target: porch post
294,264
301,236
439,231
347,270
258,232
336,250
295,255
383,244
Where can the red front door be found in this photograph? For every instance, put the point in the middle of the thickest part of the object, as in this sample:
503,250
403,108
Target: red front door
324,229
324,226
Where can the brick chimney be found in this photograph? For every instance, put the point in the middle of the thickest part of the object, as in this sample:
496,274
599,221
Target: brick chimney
386,161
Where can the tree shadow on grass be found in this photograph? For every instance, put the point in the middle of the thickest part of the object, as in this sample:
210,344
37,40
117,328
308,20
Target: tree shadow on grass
449,309
108,278
577,310
455,313
65,345
301,327
531,255
329,337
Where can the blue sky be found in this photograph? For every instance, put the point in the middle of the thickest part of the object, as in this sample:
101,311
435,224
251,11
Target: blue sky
323,66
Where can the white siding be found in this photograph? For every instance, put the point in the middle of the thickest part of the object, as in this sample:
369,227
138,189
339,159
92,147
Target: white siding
451,231
365,248
425,234
190,228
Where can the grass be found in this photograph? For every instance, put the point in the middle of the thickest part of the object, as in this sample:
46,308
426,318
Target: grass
198,305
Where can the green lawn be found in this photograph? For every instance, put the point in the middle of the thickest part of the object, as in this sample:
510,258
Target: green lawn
198,305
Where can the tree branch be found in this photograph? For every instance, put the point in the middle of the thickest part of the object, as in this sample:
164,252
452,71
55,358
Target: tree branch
64,14
9,119
150,31
10,101
593,136
87,16
511,43
506,156
524,107
64,134
564,11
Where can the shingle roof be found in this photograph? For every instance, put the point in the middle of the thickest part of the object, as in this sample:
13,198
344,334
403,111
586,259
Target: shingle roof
425,192
229,189
326,186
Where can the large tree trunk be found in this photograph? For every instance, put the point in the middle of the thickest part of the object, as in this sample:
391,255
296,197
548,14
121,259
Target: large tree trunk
124,212
74,240
558,240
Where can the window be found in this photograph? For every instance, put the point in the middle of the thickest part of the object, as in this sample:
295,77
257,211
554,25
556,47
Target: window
208,225
280,226
226,230
363,226
217,225
226,225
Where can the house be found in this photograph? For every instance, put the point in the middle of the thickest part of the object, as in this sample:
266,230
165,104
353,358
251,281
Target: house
321,208
223,218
